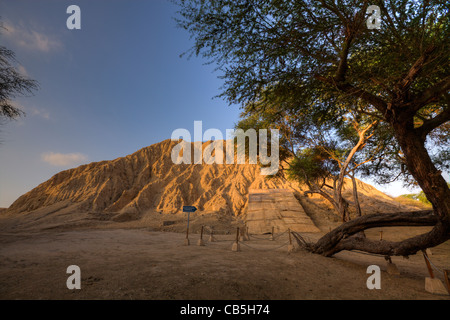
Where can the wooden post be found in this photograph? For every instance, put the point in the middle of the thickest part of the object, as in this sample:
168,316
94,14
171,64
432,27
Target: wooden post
430,270
271,237
186,241
200,241
187,228
290,246
447,281
391,267
236,246
244,234
381,235
211,236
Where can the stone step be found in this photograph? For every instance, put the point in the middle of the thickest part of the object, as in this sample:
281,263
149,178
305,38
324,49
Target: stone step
276,208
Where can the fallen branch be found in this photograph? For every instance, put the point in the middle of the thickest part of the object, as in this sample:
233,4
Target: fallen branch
345,237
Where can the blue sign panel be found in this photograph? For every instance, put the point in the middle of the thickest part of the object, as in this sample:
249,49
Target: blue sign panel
189,209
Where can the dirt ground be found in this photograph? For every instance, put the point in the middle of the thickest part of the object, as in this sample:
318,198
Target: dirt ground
147,259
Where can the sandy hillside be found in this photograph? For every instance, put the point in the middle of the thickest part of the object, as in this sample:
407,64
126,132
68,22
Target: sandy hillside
146,180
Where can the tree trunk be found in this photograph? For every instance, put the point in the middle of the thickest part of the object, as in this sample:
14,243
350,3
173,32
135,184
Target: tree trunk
355,196
341,203
337,200
360,234
423,170
339,183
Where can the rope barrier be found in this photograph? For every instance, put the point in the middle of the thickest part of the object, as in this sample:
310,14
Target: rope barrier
368,253
257,238
215,235
259,249
279,235
275,236
432,264
217,239
271,238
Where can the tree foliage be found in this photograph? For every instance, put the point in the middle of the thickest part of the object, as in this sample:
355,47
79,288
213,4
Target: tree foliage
12,84
319,154
321,56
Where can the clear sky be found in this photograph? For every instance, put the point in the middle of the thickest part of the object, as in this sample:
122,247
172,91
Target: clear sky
116,85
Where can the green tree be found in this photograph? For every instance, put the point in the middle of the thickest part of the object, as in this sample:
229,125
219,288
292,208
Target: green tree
419,196
12,84
321,55
317,155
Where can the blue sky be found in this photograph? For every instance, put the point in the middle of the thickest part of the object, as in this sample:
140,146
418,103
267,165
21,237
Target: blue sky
107,90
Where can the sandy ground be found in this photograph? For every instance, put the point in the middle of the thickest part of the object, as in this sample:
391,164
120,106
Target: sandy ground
147,259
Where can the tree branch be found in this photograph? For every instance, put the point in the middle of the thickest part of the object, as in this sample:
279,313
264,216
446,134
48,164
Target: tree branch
404,84
336,11
351,32
431,124
356,92
327,245
432,94
401,248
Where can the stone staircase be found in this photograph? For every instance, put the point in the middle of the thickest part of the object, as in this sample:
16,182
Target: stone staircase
276,208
